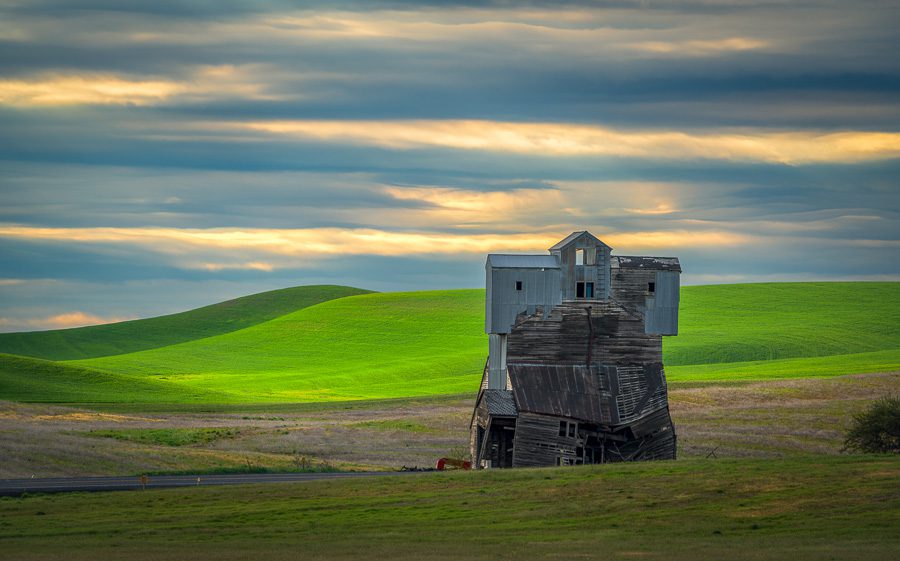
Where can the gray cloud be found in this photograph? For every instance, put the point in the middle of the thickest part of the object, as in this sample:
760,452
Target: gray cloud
699,66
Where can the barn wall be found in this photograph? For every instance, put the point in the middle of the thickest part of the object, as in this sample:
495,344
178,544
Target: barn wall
631,288
662,307
596,269
537,442
503,302
619,337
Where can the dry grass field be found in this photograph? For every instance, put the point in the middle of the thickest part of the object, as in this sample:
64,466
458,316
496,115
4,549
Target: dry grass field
768,419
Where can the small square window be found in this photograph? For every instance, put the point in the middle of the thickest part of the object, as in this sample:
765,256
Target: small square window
651,287
584,290
518,285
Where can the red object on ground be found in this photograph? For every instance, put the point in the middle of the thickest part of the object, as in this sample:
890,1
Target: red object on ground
450,463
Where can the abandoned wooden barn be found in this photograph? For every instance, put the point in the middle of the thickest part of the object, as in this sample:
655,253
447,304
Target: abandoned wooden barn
574,373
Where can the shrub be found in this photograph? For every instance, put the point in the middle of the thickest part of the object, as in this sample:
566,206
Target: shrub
877,429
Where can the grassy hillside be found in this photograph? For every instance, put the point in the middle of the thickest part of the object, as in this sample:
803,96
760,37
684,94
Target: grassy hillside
34,379
760,322
366,346
138,335
691,509
390,345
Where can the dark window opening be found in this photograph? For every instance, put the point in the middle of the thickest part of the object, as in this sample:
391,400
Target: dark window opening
584,290
562,428
518,285
651,287
573,427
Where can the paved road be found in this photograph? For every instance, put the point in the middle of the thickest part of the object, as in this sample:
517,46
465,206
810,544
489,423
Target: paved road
15,487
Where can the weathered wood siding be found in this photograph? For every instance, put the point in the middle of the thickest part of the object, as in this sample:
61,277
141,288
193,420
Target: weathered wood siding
538,443
631,288
618,336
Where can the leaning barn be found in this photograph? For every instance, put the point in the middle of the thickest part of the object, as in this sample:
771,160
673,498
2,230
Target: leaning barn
574,374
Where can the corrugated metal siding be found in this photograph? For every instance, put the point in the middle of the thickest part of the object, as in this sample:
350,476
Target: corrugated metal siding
502,261
504,303
597,255
662,308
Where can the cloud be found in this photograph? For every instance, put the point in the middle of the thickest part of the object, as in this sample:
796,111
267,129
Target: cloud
184,246
58,321
204,84
74,90
699,48
564,139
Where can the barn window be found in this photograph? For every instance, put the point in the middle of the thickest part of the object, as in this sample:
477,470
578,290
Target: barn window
518,285
651,287
579,257
568,429
584,290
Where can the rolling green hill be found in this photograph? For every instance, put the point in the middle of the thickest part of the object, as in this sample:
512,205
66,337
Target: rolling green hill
785,330
366,346
34,379
753,322
138,335
372,346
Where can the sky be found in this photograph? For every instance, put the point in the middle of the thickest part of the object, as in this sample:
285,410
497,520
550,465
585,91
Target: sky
157,156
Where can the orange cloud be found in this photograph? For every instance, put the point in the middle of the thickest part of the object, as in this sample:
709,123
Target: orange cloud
699,48
207,82
87,89
231,248
563,139
61,321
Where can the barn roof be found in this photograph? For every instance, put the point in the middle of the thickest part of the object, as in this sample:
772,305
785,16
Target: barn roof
650,263
562,390
571,238
500,261
500,403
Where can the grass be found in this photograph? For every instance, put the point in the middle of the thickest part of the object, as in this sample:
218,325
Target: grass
368,346
138,335
740,323
400,345
773,419
37,380
695,509
166,437
394,425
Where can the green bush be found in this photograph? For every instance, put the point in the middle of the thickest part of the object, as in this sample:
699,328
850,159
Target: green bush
877,429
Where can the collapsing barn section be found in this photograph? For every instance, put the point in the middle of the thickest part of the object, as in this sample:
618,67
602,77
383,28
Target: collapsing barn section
575,372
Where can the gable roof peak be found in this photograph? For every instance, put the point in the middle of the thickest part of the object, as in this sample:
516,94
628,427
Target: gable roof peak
574,237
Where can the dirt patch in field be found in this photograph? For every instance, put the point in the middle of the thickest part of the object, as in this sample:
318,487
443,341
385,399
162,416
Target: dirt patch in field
764,419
